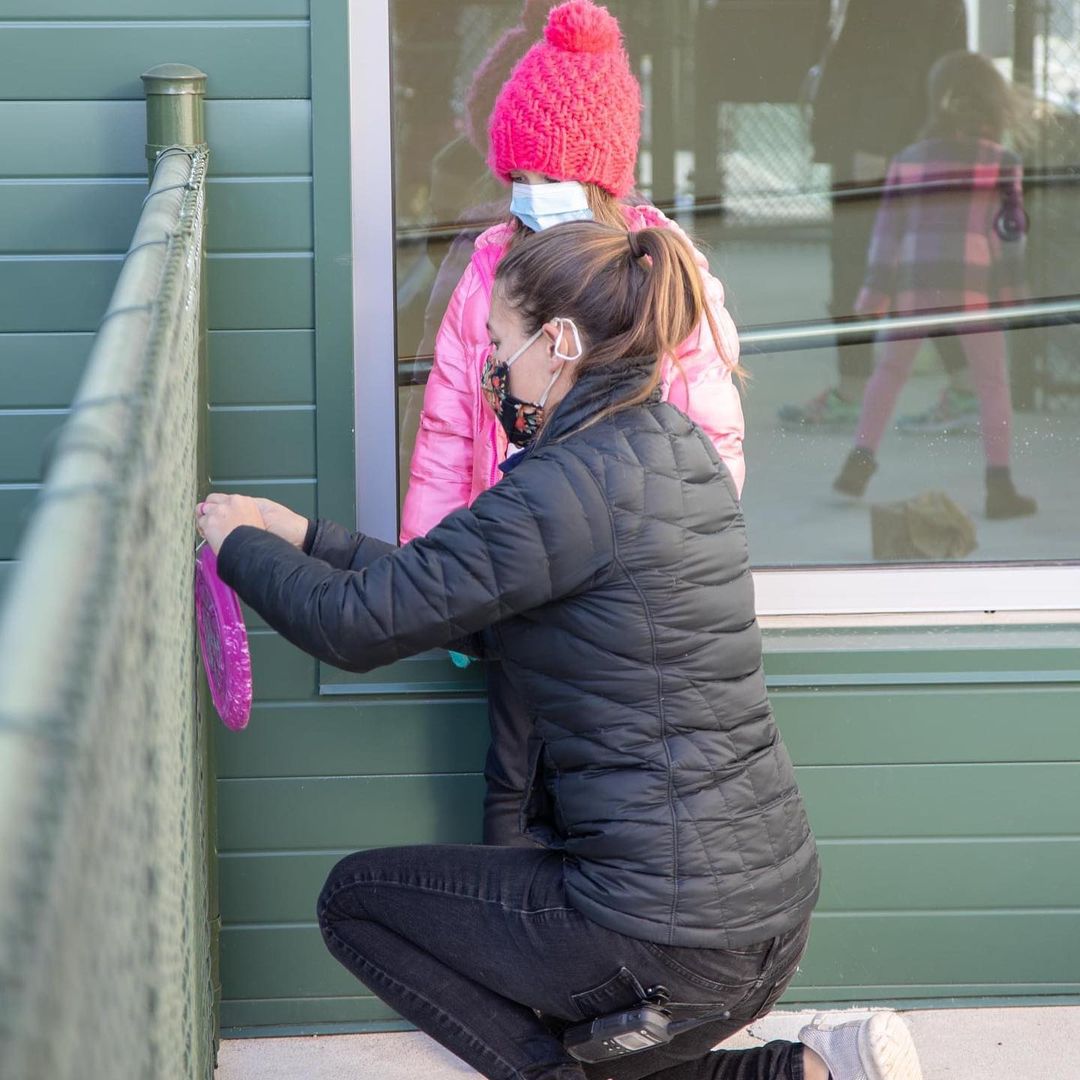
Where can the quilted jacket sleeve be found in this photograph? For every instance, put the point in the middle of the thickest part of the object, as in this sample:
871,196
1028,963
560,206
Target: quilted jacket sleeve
440,473
341,549
533,538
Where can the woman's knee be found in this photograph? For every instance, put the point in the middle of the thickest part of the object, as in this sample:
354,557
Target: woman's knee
342,895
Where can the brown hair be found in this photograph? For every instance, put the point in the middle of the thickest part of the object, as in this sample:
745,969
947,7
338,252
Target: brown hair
968,96
630,294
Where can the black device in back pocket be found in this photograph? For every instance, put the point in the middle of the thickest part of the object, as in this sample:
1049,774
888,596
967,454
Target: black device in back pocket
629,1032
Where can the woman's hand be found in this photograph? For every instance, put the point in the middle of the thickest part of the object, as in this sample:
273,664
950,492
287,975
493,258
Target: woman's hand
283,522
220,514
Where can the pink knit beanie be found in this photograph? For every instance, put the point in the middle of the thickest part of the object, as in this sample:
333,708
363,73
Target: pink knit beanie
571,109
495,68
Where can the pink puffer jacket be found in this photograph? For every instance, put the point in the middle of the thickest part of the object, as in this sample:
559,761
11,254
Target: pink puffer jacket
460,444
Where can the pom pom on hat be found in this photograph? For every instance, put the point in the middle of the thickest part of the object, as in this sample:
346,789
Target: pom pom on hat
579,26
571,109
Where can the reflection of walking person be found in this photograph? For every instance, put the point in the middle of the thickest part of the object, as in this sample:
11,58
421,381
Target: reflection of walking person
608,569
869,105
949,234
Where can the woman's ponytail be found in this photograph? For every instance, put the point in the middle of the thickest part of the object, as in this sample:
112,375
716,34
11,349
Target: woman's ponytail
673,301
631,294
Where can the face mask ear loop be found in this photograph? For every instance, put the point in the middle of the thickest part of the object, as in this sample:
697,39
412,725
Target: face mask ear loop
566,359
577,342
521,351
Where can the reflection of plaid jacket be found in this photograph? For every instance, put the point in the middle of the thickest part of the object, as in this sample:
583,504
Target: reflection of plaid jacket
950,229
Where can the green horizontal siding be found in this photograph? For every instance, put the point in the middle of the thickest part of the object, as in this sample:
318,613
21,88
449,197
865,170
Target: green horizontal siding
262,367
280,672
913,952
259,292
243,58
247,367
349,811
246,292
262,443
61,139
92,217
402,736
267,963
81,10
254,1016
27,435
920,656
41,371
860,801
950,874
928,725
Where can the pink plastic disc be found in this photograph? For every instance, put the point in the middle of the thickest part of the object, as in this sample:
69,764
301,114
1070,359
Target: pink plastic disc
223,642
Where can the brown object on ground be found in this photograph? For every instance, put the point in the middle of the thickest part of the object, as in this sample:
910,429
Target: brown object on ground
928,526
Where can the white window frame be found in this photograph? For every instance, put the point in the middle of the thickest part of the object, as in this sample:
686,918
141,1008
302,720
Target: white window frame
810,595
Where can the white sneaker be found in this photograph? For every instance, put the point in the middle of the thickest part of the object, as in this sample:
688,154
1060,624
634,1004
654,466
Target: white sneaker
879,1048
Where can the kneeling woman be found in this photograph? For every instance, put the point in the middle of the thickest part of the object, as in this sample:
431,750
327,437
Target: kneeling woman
608,571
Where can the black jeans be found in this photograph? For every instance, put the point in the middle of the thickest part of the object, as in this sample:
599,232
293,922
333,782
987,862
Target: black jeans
472,944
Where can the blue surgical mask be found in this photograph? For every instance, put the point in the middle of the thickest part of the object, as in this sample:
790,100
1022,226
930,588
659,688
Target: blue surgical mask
539,206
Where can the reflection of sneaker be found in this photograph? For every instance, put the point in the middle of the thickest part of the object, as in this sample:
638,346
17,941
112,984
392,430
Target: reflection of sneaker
828,409
955,412
879,1048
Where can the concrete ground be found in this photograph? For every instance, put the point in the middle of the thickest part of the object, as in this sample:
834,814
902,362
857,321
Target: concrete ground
1037,1043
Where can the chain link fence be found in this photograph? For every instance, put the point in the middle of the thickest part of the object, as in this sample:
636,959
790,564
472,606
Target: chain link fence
769,177
104,935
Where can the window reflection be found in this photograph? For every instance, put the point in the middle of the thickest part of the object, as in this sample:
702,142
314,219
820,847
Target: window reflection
805,148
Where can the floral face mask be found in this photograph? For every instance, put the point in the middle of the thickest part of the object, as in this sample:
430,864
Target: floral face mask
521,420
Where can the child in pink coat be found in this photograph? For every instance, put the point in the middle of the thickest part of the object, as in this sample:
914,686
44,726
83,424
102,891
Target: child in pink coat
564,131
568,121
949,236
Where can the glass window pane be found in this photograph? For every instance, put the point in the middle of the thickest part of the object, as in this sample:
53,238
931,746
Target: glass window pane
837,163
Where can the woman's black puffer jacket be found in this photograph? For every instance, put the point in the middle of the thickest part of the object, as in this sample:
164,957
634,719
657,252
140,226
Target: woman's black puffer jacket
608,571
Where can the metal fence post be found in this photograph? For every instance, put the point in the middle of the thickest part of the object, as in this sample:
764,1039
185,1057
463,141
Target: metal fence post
175,94
174,108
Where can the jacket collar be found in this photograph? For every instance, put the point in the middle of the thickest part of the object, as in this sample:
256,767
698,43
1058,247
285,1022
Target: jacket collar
593,392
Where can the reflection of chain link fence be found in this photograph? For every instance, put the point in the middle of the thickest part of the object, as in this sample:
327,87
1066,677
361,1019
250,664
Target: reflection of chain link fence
768,175
104,943
1053,66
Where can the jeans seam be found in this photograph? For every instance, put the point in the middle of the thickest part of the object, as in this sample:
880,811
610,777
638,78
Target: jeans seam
691,976
441,1013
389,883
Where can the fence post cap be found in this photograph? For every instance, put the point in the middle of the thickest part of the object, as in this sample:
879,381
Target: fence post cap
174,79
